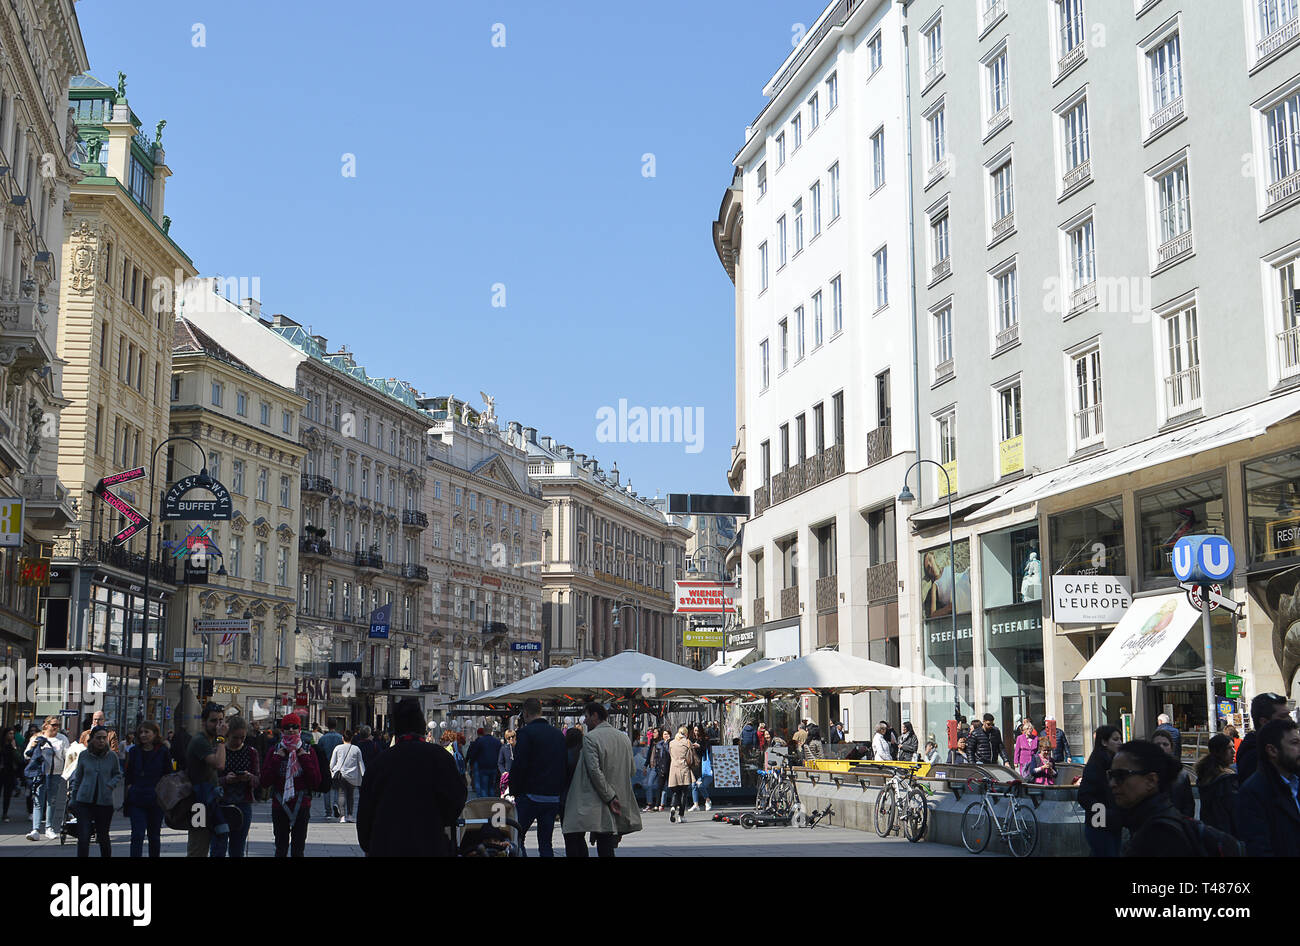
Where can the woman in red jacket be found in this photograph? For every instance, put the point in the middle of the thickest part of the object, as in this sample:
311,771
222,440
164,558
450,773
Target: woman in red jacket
291,772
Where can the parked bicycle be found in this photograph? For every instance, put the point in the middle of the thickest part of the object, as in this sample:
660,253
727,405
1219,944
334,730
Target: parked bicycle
1019,827
902,799
776,792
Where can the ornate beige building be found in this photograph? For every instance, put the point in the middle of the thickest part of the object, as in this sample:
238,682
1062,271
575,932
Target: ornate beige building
248,428
40,50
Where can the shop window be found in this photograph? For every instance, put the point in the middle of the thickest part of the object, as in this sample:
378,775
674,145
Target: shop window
1166,516
1273,507
1088,541
883,530
1011,577
945,590
1010,569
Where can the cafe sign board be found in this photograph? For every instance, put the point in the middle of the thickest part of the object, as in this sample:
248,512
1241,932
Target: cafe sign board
214,507
1090,599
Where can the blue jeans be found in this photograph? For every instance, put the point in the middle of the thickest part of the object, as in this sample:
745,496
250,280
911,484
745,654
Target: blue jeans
49,795
544,813
239,835
651,788
487,784
700,787
1101,842
146,820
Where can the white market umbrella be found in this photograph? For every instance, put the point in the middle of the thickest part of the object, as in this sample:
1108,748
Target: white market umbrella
828,671
520,689
743,679
631,673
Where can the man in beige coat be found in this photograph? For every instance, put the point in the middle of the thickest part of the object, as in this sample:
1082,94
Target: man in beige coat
600,799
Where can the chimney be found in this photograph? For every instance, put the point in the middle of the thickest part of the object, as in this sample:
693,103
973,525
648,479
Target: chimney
322,341
254,308
530,434
582,459
613,473
516,431
548,443
567,452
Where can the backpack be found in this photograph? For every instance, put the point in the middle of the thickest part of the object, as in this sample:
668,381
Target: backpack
175,796
1208,841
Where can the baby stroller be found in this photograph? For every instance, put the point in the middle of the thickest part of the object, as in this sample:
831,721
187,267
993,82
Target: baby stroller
71,831
488,827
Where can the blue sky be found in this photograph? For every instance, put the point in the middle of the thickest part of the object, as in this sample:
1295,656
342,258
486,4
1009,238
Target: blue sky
475,165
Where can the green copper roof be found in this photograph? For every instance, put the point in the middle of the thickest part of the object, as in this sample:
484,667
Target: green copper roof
87,81
298,337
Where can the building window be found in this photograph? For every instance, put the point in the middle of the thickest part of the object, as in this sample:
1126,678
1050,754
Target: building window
835,190
884,412
877,54
1174,207
1182,363
1167,515
1082,267
998,100
1005,308
261,484
814,113
943,360
233,566
1077,150
881,258
1089,541
837,417
286,422
237,477
796,131
819,427
815,206
784,329
946,452
241,404
1070,35
798,226
832,92
781,245
878,159
1011,453
817,320
99,424
762,264
1282,127
1086,382
1277,26
933,40
780,151
798,334
284,491
1002,201
265,414
1165,64
784,431
282,566
941,263
762,180
837,307
1271,485
882,531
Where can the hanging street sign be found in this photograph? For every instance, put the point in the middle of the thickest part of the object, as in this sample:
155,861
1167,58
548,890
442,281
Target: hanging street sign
224,626
176,506
526,646
702,638
134,521
11,523
1232,686
1203,558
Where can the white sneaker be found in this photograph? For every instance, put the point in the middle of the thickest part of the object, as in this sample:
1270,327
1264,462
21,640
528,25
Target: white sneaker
342,820
51,834
693,808
33,835
681,819
708,804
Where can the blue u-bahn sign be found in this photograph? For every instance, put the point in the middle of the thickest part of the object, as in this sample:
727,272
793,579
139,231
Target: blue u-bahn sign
1204,558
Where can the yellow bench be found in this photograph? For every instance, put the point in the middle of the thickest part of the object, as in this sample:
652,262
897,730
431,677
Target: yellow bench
864,765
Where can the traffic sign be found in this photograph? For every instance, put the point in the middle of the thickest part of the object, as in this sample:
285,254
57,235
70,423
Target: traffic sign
1203,558
1217,597
528,646
134,521
67,712
180,655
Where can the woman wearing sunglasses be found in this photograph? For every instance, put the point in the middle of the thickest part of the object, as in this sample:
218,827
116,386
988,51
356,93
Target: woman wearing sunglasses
1140,778
291,772
1101,822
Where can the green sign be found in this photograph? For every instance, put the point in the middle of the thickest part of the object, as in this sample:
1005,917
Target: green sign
1233,684
702,638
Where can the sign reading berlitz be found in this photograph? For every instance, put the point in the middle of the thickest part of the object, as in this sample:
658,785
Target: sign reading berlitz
1091,599
704,597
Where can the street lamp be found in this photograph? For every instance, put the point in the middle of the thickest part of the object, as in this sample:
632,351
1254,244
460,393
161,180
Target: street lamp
279,656
905,498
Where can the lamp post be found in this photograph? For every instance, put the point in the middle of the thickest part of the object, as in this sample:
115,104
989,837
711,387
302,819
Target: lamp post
185,645
616,610
279,656
906,498
148,553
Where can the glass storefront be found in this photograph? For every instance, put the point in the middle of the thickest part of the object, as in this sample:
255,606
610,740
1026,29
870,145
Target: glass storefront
1088,541
1011,581
945,591
1273,507
1165,516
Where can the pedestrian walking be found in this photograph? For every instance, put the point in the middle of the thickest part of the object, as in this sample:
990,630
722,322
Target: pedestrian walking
1026,748
411,794
97,774
506,755
291,771
205,754
239,778
881,750
702,772
1264,708
985,743
347,771
1267,809
749,736
327,742
146,762
907,744
654,780
98,718
573,841
682,762
665,763
1140,777
46,753
1165,724
537,777
482,758
1218,785
1101,819
11,769
600,798
1180,789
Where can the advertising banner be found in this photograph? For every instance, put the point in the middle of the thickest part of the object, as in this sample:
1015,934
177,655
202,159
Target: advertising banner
1090,599
704,597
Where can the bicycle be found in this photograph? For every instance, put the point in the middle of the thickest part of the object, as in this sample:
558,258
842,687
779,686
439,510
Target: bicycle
914,809
1019,828
776,792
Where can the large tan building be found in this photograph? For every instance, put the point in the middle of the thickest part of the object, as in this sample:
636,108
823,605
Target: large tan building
247,426
119,275
42,50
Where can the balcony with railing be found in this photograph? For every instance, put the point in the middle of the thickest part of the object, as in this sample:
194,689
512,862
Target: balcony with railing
1168,113
1083,297
1004,226
941,269
1288,352
828,591
1183,391
1087,426
47,502
937,170
1007,336
317,484
1171,249
1070,58
1285,188
105,553
369,559
880,444
310,546
993,11
411,572
21,321
999,118
1282,34
944,370
762,499
1078,174
414,518
882,581
790,602
933,71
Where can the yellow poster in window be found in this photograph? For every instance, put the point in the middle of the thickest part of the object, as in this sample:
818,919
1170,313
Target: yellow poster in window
1011,455
11,523
950,484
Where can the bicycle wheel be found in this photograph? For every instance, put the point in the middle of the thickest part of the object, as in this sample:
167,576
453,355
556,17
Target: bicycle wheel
976,826
783,800
916,815
1023,837
885,811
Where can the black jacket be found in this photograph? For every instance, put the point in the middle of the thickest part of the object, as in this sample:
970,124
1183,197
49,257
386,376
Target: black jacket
986,746
369,750
483,753
538,768
1158,830
409,796
1218,801
1248,757
907,747
1268,821
1180,793
1094,789
1062,750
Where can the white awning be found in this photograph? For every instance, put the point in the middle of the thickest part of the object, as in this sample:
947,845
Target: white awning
1209,434
934,515
1143,639
733,661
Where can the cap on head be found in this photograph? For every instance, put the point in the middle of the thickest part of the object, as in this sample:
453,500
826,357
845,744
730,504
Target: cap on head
292,719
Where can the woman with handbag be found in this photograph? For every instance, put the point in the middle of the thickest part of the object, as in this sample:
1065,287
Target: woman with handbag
1026,748
146,762
703,772
46,753
682,762
347,768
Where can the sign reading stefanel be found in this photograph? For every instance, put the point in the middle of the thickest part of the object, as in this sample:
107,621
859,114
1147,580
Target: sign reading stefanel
1090,599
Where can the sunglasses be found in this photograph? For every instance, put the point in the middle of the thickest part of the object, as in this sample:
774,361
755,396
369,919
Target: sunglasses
1119,775
290,728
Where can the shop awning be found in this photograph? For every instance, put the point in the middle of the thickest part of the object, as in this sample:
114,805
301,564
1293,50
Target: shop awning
936,515
733,661
1143,639
1220,431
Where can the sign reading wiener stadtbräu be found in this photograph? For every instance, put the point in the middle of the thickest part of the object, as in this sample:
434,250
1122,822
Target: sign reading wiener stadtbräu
704,597
214,507
1090,599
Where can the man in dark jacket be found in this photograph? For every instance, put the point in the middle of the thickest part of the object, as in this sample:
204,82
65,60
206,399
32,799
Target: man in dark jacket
369,748
537,776
1268,809
1263,709
410,794
482,755
748,736
985,743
